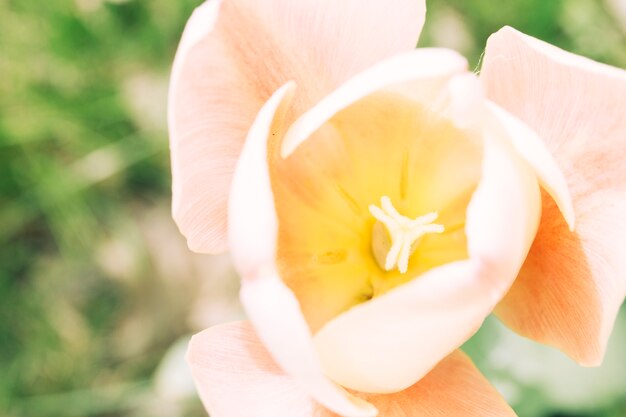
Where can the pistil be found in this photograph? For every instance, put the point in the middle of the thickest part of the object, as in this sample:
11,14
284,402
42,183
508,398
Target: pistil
395,237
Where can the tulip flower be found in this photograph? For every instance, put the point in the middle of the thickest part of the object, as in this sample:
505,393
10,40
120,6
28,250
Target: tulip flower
380,201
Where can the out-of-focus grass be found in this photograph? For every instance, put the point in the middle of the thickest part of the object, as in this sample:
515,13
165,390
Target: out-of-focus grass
96,285
593,28
89,300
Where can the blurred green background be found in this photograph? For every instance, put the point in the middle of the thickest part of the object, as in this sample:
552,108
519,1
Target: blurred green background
98,292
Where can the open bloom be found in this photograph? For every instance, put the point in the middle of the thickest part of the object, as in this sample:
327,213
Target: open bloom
380,201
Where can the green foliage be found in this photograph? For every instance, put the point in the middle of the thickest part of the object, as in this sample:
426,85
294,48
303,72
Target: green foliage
76,157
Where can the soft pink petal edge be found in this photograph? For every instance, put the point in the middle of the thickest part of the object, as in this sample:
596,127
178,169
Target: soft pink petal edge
420,74
236,377
572,284
233,55
469,109
272,307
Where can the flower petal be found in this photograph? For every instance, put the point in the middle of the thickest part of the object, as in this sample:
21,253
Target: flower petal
532,148
382,145
278,320
201,167
390,342
272,307
572,283
236,377
233,55
453,388
420,74
467,107
251,204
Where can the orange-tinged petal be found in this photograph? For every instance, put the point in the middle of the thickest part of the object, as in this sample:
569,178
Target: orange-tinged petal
572,283
233,55
453,388
236,377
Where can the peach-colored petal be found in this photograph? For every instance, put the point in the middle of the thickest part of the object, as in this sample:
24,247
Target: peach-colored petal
453,388
274,310
236,377
233,55
572,283
391,341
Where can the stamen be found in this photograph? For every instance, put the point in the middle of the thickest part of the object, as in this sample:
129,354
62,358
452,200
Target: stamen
395,236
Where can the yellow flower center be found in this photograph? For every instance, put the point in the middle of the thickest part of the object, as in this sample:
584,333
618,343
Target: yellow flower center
395,237
339,243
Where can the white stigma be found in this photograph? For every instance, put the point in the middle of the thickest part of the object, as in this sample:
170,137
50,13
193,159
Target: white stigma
404,233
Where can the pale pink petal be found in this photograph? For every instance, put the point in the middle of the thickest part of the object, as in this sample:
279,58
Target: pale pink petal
236,377
419,74
274,310
391,341
278,320
573,283
464,104
251,204
467,107
534,150
234,54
